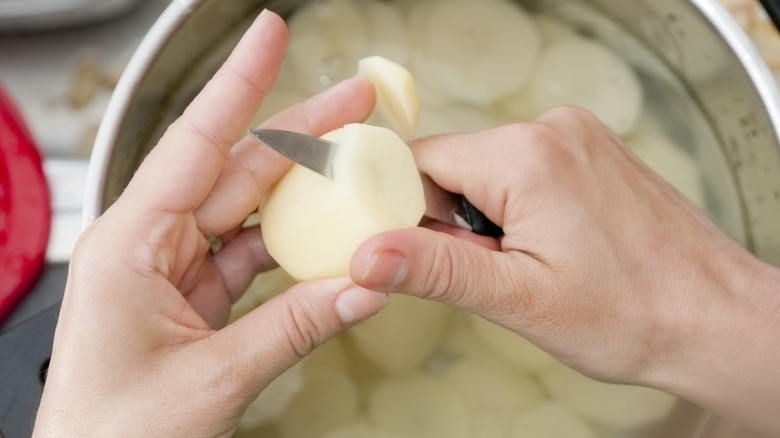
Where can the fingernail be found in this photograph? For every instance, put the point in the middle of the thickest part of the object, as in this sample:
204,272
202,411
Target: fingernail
356,304
386,269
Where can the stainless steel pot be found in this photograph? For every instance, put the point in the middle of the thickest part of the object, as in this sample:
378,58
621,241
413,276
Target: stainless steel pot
693,47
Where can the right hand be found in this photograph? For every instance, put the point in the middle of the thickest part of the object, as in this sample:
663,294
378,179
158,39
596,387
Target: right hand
603,264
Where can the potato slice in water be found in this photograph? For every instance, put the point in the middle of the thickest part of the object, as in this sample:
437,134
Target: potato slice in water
551,420
402,336
619,409
274,399
510,346
670,162
418,406
313,224
584,72
461,41
494,393
264,286
396,95
327,38
328,400
360,429
386,29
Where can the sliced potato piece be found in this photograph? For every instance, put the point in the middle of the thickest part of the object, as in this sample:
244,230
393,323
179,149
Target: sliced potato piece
274,399
395,93
618,408
454,117
360,429
403,335
462,41
584,72
673,164
386,29
418,406
494,392
511,347
551,420
327,38
328,400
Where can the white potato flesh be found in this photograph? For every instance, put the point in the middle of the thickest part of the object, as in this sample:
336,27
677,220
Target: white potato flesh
326,40
494,393
511,347
461,41
403,335
551,420
396,94
418,406
327,400
274,399
620,408
312,224
584,72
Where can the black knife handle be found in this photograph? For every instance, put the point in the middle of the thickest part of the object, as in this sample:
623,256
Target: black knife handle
772,8
480,224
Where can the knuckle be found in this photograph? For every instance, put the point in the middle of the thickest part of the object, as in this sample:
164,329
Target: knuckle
300,329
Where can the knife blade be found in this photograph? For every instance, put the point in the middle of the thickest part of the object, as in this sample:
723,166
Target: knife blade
317,154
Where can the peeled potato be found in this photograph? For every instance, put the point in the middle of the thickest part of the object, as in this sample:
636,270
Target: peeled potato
510,346
619,408
402,336
418,406
312,224
550,420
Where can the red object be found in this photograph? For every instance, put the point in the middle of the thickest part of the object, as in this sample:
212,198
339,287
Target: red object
25,209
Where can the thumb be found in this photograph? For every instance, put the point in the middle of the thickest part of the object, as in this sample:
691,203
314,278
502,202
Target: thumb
437,266
273,337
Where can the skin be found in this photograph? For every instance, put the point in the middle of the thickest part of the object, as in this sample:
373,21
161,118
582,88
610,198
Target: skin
140,348
602,264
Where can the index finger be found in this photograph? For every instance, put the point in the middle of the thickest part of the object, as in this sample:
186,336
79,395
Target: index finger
194,148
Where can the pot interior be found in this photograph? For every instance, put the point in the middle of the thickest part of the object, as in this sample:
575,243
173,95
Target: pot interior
698,88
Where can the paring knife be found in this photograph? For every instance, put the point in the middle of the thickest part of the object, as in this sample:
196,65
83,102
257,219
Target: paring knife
317,154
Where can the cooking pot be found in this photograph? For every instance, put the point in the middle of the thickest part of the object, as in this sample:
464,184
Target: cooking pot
721,99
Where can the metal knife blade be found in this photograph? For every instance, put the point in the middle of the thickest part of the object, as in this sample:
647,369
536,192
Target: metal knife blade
310,152
317,154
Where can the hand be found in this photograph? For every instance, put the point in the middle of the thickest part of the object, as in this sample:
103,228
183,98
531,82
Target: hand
139,348
602,264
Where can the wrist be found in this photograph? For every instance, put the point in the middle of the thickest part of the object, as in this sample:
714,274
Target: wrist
725,342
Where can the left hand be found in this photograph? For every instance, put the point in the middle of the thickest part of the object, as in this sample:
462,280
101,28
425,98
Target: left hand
140,348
